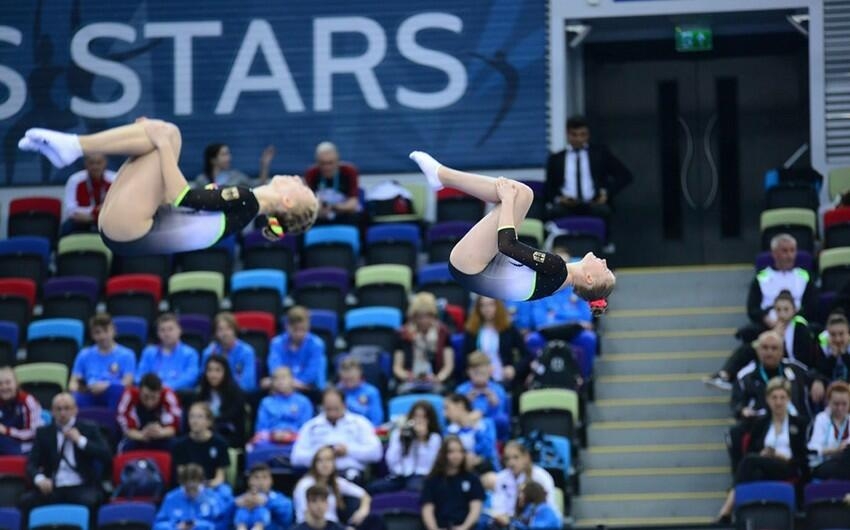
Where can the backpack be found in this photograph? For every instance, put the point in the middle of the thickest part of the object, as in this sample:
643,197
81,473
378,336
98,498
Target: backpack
389,198
557,367
140,478
544,452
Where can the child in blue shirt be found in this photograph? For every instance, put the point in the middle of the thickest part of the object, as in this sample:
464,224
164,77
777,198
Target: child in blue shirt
534,511
175,363
190,505
282,413
301,351
261,508
478,440
486,396
240,355
360,397
103,370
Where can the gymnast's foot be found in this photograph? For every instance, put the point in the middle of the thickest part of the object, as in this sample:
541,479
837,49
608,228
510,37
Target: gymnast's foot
429,167
61,148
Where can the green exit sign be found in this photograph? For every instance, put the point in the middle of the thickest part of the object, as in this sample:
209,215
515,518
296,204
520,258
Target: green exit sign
693,39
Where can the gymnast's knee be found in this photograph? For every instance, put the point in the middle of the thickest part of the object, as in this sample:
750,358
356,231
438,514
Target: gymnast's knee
524,192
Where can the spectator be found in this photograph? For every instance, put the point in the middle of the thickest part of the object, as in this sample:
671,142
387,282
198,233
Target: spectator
217,169
173,361
412,451
777,449
20,415
67,459
335,184
84,194
486,396
203,447
451,496
519,470
149,416
103,370
831,435
300,350
282,412
478,441
190,506
350,435
239,354
425,360
534,510
584,178
260,496
490,331
834,364
343,494
225,399
360,397
317,507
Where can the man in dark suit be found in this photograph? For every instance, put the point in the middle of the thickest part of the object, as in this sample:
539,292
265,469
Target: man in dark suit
584,178
67,460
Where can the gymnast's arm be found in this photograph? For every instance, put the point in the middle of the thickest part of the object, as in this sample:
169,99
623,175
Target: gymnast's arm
216,199
509,245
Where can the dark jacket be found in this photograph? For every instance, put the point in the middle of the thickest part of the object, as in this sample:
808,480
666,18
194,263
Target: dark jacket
826,367
751,385
91,461
797,428
605,169
808,305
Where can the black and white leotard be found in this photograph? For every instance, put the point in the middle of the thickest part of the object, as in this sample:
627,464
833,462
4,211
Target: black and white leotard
519,272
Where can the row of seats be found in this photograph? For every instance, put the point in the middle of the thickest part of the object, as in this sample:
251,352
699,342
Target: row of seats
774,505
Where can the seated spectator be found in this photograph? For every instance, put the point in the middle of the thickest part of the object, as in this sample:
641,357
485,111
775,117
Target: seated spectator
336,186
282,412
533,509
486,396
190,505
20,415
777,449
174,362
350,435
103,370
519,471
346,500
261,497
452,497
225,399
412,450
831,435
67,460
239,354
149,416
85,191
478,441
201,446
301,351
425,360
489,330
360,397
218,170
317,507
834,363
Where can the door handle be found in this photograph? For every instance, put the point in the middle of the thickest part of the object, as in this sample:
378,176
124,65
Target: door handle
686,162
709,156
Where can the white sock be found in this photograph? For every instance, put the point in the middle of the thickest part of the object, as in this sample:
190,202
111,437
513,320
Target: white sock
429,167
61,148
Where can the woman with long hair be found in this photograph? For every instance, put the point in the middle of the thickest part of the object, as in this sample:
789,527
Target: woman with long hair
218,169
225,398
452,497
519,471
489,330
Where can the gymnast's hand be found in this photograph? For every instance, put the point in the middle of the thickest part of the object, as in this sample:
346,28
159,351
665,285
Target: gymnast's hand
158,132
506,189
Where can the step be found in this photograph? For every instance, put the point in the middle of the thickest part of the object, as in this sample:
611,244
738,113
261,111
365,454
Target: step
695,287
669,340
681,319
647,432
669,522
654,385
673,362
626,456
661,479
683,408
649,504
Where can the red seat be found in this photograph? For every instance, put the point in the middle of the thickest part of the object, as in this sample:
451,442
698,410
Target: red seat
451,193
836,216
15,466
138,283
456,313
162,459
48,205
23,287
257,321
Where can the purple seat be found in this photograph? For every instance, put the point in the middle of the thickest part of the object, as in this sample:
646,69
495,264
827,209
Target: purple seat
256,239
104,417
449,230
126,512
274,455
196,324
10,519
827,490
333,276
583,225
804,260
398,502
825,303
83,285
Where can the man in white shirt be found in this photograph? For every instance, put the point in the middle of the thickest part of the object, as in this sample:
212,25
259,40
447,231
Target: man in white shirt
351,435
84,194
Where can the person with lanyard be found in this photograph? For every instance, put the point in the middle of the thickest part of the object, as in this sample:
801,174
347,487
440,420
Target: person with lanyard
831,435
85,192
336,185
238,353
834,364
174,362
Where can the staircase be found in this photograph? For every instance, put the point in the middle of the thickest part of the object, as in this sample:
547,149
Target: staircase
655,452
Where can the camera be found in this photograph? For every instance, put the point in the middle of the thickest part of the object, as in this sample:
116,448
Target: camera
407,433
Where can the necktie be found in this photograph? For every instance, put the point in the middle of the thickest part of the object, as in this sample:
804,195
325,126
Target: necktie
578,176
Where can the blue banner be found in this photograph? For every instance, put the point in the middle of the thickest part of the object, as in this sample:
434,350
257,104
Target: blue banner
464,80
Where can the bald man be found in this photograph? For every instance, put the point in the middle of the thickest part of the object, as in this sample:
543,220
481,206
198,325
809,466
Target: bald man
336,185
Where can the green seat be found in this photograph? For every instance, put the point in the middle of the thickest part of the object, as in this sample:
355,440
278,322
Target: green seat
197,281
54,373
232,473
839,181
420,203
532,228
549,399
788,216
558,494
84,243
386,273
834,265
834,257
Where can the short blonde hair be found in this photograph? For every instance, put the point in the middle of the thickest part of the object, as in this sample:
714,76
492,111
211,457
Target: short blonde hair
422,303
299,218
778,383
477,359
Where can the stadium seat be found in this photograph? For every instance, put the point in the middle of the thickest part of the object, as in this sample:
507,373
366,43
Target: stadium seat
834,265
126,516
383,285
232,475
550,410
400,406
156,264
84,255
104,418
134,295
373,326
435,278
197,330
10,519
419,200
396,504
70,297
257,328
25,257
531,233
35,216
260,253
258,290
583,234
13,480
162,459
59,517
9,332
538,204
131,332
217,258
764,505
43,380
453,205
798,222
322,288
393,243
442,238
825,506
792,195
54,340
331,246
196,292
838,182
17,298
836,228
325,324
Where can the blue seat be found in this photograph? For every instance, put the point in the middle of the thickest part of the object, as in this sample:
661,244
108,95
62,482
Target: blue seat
10,519
26,245
126,512
765,491
373,316
394,232
60,514
135,326
399,406
325,319
259,278
765,504
9,333
334,234
57,328
434,273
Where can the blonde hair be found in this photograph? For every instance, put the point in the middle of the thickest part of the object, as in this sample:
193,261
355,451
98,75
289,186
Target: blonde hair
477,359
778,383
597,291
297,314
299,218
422,303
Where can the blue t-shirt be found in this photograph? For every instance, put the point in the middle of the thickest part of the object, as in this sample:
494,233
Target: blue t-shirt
242,361
538,516
93,366
482,403
365,399
178,369
305,362
284,413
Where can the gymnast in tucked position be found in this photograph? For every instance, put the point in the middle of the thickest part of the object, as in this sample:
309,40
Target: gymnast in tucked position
150,208
491,261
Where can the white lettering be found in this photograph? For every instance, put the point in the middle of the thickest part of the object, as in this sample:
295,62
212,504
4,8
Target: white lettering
182,33
12,79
